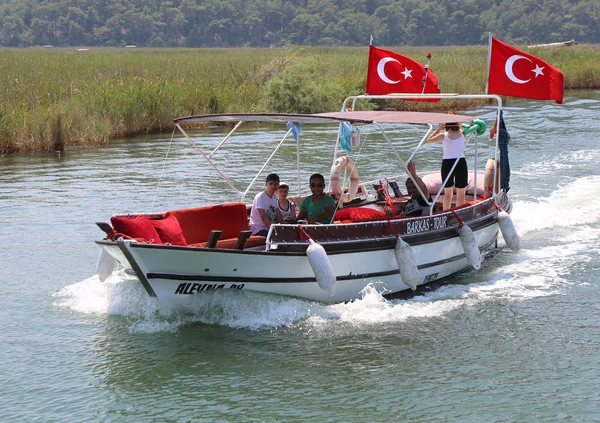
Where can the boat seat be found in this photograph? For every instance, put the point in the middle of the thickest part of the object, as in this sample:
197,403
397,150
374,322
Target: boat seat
253,241
197,223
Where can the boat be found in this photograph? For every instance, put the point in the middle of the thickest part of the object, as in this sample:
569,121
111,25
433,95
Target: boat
559,44
179,254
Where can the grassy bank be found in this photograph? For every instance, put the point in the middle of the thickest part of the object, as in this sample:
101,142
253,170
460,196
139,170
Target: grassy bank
52,99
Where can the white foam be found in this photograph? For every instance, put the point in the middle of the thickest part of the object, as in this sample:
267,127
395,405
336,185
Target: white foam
537,270
557,165
89,296
574,204
123,295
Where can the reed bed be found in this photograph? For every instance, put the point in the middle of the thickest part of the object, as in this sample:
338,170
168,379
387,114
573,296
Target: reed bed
54,99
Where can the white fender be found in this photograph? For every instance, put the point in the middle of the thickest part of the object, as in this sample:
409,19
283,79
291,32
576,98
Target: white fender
407,264
321,266
334,178
105,266
469,244
508,231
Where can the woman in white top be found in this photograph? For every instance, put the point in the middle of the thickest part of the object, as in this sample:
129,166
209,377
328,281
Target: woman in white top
453,142
286,207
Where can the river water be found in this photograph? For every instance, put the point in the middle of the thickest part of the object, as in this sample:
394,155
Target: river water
517,341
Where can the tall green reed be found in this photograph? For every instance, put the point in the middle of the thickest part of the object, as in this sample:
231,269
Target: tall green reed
56,98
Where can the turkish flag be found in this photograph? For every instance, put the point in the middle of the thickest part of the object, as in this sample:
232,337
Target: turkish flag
519,74
389,72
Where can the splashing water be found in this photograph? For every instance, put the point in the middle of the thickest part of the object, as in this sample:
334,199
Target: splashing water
535,271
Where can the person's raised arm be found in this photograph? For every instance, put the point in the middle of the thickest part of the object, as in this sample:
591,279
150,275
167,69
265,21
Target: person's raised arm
438,134
416,179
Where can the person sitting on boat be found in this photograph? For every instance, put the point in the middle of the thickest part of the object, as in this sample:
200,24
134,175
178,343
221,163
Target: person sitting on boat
417,205
286,207
318,207
265,208
453,142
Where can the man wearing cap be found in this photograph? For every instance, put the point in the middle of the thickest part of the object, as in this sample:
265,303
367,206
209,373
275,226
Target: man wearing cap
265,208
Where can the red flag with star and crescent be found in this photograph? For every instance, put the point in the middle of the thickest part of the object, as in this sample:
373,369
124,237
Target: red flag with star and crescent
389,72
518,74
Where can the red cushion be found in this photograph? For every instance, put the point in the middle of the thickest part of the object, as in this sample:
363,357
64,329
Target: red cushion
169,231
356,213
197,223
139,227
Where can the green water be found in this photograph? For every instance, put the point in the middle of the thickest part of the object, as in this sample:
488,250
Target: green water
515,342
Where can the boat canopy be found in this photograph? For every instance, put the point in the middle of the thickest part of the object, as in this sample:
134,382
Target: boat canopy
332,117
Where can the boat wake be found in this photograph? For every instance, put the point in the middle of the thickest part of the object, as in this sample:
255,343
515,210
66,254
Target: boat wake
122,295
552,244
573,204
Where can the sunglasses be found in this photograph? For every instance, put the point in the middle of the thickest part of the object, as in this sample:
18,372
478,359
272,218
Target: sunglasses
317,185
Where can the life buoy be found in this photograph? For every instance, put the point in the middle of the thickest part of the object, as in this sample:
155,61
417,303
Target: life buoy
334,178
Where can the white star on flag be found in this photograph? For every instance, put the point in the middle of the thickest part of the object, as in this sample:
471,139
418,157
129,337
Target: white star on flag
407,73
538,71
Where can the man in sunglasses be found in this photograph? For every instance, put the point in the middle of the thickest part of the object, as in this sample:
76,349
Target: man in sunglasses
318,207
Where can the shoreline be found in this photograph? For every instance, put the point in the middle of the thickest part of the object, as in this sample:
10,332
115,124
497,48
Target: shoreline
59,99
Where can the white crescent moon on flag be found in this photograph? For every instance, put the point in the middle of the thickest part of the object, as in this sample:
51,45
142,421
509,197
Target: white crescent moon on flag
381,70
508,68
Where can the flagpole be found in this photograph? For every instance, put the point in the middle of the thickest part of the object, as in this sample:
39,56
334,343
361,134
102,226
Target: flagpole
487,80
426,71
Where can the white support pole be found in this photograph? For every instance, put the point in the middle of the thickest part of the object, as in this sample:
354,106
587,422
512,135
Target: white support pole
206,157
266,163
402,162
474,173
225,139
487,80
298,160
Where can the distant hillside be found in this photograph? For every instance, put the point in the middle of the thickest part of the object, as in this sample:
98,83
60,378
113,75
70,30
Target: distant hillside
263,23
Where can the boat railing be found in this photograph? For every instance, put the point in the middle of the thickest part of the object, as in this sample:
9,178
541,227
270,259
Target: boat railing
209,156
353,100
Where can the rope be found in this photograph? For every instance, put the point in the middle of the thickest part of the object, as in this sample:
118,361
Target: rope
162,170
114,235
496,206
460,222
389,203
302,232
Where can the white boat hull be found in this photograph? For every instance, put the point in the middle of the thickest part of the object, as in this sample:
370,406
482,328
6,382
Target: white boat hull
177,274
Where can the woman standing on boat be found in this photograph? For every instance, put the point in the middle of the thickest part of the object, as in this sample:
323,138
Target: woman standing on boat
453,142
